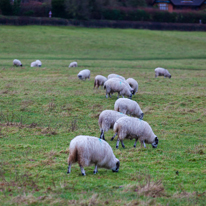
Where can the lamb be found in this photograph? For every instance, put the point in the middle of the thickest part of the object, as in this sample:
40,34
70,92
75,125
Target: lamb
119,86
84,74
73,64
107,118
87,150
17,63
38,63
99,81
133,84
131,127
162,72
128,106
115,76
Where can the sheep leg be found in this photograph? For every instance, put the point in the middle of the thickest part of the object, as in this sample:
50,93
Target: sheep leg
117,145
95,170
113,136
122,144
69,168
82,171
102,135
135,143
144,144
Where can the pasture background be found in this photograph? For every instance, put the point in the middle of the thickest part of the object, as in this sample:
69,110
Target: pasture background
42,109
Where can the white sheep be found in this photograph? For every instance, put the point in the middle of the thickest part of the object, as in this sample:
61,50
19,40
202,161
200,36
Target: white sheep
73,64
34,64
162,72
17,63
119,86
128,106
115,76
87,150
99,81
133,83
107,118
121,81
84,74
131,127
38,63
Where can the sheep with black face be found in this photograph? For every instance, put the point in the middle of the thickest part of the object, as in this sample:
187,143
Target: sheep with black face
87,150
162,72
84,74
134,128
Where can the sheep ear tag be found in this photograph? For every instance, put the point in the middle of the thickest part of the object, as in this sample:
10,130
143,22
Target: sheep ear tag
100,140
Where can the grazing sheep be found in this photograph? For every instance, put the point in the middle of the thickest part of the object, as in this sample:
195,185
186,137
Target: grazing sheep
38,63
17,63
162,72
131,127
73,64
120,81
34,64
87,150
133,83
99,81
115,76
119,86
107,118
128,106
84,74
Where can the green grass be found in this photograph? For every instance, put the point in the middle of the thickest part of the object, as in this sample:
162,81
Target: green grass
42,109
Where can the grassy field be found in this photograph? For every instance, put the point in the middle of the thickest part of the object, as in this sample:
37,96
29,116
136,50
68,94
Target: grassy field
42,109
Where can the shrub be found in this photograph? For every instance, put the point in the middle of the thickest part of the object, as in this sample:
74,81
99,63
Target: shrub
36,9
5,7
58,8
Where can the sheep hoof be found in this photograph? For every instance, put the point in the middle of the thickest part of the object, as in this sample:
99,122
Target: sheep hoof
68,172
112,139
117,147
123,146
83,174
134,146
95,172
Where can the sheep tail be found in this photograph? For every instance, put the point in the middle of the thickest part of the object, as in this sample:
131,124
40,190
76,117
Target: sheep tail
73,155
116,108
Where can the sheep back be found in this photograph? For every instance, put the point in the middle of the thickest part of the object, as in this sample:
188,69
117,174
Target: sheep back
115,76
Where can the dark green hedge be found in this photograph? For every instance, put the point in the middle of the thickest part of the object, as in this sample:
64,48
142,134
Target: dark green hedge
153,15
